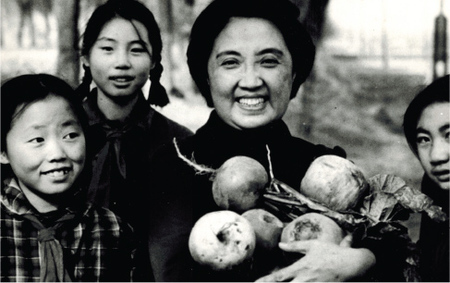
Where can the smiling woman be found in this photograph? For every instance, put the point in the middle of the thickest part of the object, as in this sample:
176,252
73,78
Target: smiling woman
248,59
250,73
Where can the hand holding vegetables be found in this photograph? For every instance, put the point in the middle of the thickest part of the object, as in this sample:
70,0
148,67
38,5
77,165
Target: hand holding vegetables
323,262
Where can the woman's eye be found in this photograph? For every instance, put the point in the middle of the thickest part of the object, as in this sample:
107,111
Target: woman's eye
269,62
229,63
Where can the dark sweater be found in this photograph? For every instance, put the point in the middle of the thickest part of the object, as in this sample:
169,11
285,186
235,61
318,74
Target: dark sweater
185,196
434,237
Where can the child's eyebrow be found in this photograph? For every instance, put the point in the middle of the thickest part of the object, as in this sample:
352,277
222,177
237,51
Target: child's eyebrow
104,38
444,127
71,122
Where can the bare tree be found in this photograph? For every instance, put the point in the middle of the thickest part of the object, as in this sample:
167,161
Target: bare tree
68,66
312,15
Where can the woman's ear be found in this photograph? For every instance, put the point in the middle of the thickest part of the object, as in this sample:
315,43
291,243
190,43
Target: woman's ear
4,158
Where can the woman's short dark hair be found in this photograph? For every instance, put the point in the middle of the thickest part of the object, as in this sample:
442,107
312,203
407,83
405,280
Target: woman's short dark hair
129,10
213,19
20,92
437,91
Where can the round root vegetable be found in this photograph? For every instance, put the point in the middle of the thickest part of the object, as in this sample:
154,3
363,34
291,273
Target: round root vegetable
267,227
334,182
239,183
222,240
311,226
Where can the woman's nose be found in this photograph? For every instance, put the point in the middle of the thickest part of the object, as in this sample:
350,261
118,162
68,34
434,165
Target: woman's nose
250,78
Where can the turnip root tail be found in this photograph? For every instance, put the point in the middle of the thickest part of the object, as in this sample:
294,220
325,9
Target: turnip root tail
199,169
272,176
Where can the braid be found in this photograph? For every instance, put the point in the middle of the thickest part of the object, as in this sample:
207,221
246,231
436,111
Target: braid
85,87
157,94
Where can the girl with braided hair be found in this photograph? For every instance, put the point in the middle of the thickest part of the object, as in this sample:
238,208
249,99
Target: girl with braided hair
121,50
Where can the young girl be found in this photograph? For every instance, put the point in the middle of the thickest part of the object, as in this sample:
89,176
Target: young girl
48,232
427,126
121,50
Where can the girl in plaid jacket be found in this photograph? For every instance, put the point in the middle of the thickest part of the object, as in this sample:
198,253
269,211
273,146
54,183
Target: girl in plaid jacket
48,231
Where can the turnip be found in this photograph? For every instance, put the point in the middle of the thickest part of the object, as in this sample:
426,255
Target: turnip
312,226
267,227
237,184
334,182
222,240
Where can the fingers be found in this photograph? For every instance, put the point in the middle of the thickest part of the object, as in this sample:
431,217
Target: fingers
347,241
282,275
296,246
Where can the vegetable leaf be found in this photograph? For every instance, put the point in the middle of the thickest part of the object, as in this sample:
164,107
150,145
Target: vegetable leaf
389,195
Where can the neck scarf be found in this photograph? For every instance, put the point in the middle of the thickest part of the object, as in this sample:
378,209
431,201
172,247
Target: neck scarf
111,168
110,161
50,250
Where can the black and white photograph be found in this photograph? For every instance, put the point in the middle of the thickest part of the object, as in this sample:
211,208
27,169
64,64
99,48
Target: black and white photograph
224,140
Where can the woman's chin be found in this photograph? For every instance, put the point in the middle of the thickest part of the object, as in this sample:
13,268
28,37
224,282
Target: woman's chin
247,122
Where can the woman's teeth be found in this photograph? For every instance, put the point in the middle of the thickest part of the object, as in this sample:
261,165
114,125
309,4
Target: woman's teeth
251,101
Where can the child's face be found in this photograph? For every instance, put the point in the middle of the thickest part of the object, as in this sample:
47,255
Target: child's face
45,148
120,59
433,145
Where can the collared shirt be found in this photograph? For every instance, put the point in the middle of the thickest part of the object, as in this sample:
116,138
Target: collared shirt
96,245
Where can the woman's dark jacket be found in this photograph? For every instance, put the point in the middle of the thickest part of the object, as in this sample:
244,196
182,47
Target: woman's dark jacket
434,237
185,196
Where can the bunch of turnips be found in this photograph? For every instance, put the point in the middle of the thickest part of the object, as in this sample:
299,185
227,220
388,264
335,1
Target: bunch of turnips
334,199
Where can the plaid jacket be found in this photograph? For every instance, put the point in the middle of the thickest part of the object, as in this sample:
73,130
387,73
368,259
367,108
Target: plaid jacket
97,246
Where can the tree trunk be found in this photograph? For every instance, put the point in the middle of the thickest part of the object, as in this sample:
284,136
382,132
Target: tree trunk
312,16
167,30
68,66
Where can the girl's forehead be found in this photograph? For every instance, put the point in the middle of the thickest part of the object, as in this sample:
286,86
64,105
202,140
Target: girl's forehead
120,28
44,107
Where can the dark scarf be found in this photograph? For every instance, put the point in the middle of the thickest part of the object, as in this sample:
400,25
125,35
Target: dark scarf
50,250
110,136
